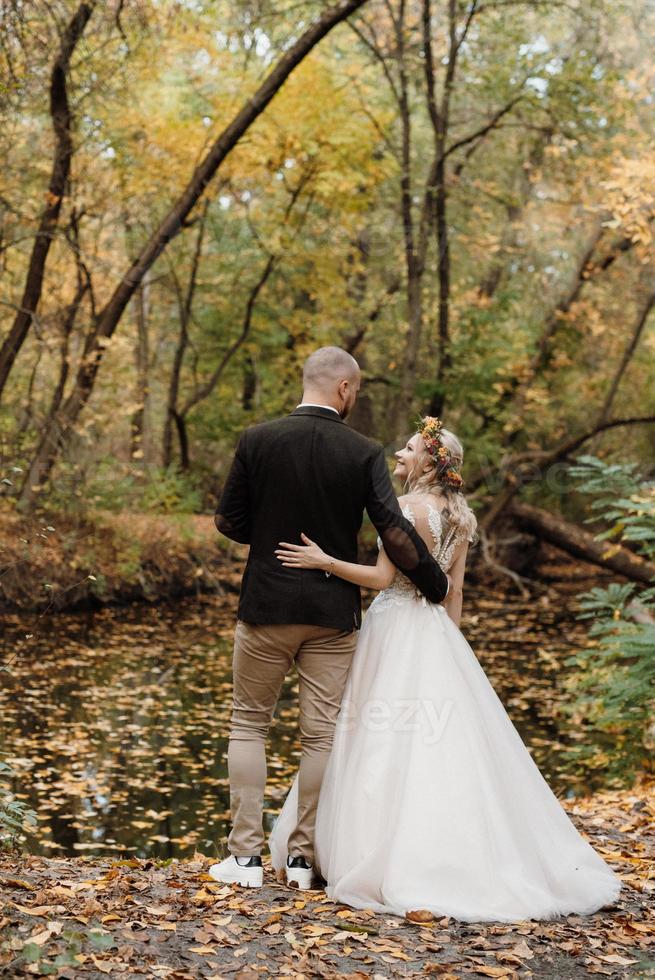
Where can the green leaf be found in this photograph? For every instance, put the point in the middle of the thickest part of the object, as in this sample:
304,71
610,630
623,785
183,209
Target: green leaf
101,940
31,952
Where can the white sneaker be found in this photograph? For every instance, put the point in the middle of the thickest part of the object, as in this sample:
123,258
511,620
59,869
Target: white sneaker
229,871
300,874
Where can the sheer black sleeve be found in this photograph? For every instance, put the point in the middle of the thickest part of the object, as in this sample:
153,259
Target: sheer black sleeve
232,516
402,543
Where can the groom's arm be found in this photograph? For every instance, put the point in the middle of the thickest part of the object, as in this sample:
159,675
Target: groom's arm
232,517
402,543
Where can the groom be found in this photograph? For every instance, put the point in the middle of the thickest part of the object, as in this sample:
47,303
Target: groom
308,473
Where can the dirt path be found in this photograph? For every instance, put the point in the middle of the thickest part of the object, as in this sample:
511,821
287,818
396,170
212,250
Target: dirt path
93,918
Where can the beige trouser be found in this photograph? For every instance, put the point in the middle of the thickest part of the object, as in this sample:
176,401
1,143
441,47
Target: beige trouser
263,656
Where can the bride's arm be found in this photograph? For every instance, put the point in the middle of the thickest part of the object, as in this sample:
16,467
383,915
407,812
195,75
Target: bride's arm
453,601
309,555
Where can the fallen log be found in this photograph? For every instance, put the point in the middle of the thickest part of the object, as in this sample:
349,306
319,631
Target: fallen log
580,543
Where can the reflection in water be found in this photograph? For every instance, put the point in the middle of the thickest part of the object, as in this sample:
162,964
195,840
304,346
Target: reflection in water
115,720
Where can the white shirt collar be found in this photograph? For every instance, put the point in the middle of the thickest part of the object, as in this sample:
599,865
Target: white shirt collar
313,405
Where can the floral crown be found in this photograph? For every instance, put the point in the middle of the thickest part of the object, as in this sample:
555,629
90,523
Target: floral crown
429,428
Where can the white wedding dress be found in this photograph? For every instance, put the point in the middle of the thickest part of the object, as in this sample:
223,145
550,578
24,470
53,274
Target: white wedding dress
430,798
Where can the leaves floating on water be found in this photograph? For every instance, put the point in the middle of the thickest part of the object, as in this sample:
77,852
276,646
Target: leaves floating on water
116,720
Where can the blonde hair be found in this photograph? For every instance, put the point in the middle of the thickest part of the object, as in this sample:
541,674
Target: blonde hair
429,481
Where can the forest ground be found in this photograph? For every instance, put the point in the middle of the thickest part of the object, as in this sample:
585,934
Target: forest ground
93,918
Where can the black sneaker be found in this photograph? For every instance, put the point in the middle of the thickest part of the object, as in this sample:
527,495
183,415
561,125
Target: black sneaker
232,872
298,862
300,873
251,862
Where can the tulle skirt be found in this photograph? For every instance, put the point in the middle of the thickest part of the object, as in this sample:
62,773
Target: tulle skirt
430,799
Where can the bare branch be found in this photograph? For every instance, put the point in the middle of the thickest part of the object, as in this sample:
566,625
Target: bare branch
642,319
484,130
378,55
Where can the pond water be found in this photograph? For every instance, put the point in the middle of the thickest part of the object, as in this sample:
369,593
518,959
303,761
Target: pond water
115,720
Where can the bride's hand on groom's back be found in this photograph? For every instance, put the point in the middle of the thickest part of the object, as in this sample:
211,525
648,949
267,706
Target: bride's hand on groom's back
306,555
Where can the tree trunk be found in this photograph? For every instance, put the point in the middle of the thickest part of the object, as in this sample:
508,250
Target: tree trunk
60,430
433,212
142,364
497,270
205,390
516,392
438,399
642,319
62,123
249,389
185,306
581,544
180,424
68,324
413,271
440,119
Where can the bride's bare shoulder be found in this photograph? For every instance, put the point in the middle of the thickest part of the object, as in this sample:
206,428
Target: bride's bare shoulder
409,498
421,500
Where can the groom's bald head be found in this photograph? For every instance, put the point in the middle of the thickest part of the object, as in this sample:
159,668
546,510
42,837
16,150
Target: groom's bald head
331,376
328,365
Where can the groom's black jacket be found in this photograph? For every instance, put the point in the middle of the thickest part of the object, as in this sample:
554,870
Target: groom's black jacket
310,472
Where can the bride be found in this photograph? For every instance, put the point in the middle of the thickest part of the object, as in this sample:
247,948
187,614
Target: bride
430,799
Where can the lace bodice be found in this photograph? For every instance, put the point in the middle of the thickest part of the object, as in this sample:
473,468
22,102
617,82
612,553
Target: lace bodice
445,540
